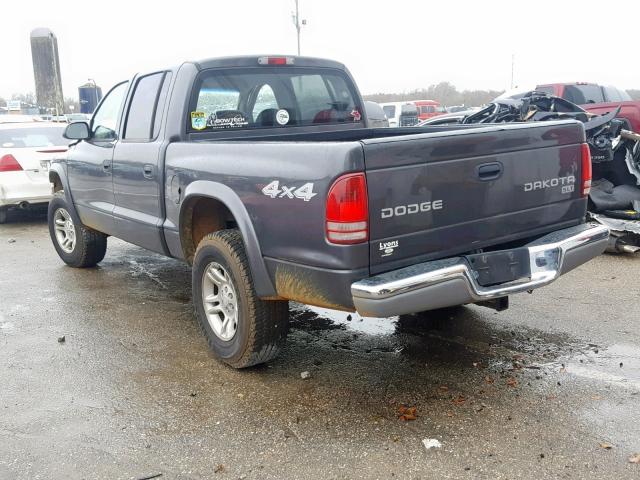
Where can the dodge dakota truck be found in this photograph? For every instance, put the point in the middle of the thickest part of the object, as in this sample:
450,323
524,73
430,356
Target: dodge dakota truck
262,173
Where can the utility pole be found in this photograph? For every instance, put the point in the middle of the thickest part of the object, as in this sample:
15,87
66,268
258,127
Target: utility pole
298,23
513,61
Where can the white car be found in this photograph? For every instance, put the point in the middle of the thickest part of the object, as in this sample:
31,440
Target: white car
401,114
26,151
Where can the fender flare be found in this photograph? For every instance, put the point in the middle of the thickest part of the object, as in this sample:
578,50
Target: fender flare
222,193
59,170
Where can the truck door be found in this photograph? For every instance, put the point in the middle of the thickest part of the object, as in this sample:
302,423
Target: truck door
89,164
137,167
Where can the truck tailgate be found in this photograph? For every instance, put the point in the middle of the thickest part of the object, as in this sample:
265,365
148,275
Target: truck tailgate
434,195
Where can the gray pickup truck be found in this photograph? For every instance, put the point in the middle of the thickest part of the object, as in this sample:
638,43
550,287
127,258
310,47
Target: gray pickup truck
262,173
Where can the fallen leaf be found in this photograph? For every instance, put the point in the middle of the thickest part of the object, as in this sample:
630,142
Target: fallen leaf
444,388
459,400
488,380
634,458
551,397
219,468
407,413
563,370
596,397
512,382
606,445
449,414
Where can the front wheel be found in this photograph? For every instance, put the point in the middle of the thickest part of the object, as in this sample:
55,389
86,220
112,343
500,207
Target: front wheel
78,246
241,329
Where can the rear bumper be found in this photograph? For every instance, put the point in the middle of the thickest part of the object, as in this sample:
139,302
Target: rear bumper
452,281
19,187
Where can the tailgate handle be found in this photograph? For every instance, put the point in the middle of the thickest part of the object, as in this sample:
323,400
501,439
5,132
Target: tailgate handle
489,171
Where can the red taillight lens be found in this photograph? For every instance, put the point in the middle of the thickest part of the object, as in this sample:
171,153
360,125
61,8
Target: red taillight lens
348,210
8,163
586,170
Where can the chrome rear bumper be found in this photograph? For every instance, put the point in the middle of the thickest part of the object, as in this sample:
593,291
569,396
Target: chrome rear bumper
452,281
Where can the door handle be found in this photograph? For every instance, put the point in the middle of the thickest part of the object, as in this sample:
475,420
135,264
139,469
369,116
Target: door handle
148,171
106,165
489,171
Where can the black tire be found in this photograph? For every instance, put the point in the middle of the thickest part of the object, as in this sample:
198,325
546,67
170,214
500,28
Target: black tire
90,246
3,215
262,326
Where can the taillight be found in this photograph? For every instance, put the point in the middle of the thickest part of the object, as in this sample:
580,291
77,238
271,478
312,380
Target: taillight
586,170
8,163
348,210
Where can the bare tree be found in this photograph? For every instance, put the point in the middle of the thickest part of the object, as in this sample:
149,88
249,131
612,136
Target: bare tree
28,98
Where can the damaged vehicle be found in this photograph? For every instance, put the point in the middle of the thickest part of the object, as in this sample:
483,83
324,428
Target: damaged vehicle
614,198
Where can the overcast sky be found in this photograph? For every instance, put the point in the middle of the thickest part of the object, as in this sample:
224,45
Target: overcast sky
389,46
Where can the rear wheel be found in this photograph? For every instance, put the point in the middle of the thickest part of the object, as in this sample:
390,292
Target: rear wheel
241,329
3,215
78,246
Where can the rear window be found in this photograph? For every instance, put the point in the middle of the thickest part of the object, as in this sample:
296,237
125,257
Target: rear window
268,97
427,109
583,94
32,137
389,111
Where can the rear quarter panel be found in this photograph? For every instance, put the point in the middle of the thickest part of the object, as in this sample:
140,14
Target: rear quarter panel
289,229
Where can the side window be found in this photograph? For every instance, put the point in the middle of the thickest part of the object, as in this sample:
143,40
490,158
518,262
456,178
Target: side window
265,100
162,100
313,96
103,124
215,95
612,94
140,116
545,89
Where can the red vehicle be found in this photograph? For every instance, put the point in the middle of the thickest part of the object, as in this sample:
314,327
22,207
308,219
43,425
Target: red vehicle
428,109
597,99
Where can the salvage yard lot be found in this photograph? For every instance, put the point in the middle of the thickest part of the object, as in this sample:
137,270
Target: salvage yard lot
132,390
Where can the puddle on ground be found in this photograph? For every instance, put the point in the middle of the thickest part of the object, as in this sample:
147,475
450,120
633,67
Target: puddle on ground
463,336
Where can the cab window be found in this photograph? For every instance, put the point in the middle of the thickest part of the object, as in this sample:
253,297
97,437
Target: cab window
103,124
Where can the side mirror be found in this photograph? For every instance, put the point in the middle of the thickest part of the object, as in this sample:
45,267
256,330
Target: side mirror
77,131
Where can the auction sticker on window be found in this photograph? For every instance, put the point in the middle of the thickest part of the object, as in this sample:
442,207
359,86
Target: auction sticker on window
282,117
198,120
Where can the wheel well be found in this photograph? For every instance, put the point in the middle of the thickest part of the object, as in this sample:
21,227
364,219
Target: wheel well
54,178
201,216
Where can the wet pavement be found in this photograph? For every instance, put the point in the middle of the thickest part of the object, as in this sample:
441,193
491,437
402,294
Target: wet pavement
538,391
